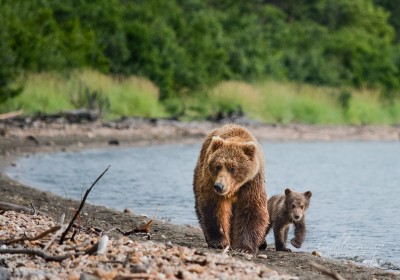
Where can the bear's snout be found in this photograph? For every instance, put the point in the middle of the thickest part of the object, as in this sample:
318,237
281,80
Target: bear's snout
218,187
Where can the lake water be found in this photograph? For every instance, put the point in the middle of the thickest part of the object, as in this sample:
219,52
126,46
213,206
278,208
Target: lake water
355,207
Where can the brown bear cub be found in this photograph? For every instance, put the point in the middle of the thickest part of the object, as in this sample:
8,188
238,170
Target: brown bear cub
229,190
285,210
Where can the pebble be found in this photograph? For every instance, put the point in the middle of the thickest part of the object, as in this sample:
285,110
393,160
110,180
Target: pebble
262,256
146,259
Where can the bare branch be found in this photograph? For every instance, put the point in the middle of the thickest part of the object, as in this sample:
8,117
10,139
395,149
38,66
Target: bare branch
327,272
62,228
39,236
38,253
14,207
81,206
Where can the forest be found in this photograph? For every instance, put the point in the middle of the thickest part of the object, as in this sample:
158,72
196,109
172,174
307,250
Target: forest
187,47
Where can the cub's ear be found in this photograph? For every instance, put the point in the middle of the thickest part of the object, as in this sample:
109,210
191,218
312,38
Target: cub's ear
288,191
308,194
249,149
216,143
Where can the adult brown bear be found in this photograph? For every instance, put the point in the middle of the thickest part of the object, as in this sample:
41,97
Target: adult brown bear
229,189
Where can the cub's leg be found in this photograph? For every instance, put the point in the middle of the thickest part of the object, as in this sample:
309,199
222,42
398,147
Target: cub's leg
279,234
299,233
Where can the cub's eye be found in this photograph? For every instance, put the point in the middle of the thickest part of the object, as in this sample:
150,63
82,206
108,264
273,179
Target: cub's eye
302,206
218,168
232,170
293,206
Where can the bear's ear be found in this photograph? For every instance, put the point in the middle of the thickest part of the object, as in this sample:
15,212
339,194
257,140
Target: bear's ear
249,149
308,194
288,191
216,143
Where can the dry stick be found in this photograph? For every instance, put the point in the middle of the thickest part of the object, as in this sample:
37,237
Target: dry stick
34,208
14,207
46,257
326,271
81,206
35,253
39,236
62,228
10,115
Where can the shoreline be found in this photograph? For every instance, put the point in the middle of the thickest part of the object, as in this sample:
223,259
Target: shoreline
54,137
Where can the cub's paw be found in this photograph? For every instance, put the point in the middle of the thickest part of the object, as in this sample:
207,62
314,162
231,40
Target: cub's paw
295,243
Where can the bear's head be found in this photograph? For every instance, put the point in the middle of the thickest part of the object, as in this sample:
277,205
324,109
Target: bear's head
297,204
231,164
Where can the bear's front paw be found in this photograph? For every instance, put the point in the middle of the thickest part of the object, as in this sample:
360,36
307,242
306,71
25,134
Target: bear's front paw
283,249
295,243
218,244
263,246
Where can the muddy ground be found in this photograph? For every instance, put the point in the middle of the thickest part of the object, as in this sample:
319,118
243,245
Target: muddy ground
19,140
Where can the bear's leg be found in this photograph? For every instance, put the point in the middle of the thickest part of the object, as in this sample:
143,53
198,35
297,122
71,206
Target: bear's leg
216,223
299,233
264,245
249,228
279,234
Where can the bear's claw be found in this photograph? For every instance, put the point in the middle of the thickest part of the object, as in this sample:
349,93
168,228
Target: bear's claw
295,243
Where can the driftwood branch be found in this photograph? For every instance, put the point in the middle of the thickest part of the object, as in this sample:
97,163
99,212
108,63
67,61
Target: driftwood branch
141,229
61,230
327,272
10,115
26,238
18,208
81,206
96,248
38,253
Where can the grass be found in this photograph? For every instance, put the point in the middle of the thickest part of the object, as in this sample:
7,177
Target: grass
277,102
268,101
52,92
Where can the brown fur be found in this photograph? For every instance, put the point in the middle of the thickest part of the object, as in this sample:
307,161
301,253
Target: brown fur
284,210
237,215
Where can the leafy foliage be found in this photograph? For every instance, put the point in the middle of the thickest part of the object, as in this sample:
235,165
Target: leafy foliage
187,46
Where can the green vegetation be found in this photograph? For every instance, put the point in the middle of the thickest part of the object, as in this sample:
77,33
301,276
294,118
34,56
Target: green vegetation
204,57
114,96
269,101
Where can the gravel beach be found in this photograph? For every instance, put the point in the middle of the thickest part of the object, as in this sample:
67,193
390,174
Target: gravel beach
167,251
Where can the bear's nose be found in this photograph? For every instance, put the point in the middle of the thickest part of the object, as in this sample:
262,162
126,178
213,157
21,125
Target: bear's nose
218,187
297,217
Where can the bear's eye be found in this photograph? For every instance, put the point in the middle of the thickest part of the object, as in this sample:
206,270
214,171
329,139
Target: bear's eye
293,206
302,206
218,168
232,170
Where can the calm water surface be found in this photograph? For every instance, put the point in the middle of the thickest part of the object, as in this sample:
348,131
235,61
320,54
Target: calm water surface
354,212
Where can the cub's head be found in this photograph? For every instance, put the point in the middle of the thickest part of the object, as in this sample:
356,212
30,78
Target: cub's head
231,164
297,203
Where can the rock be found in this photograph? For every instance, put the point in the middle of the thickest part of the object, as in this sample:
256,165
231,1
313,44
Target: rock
262,256
316,253
113,142
4,274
